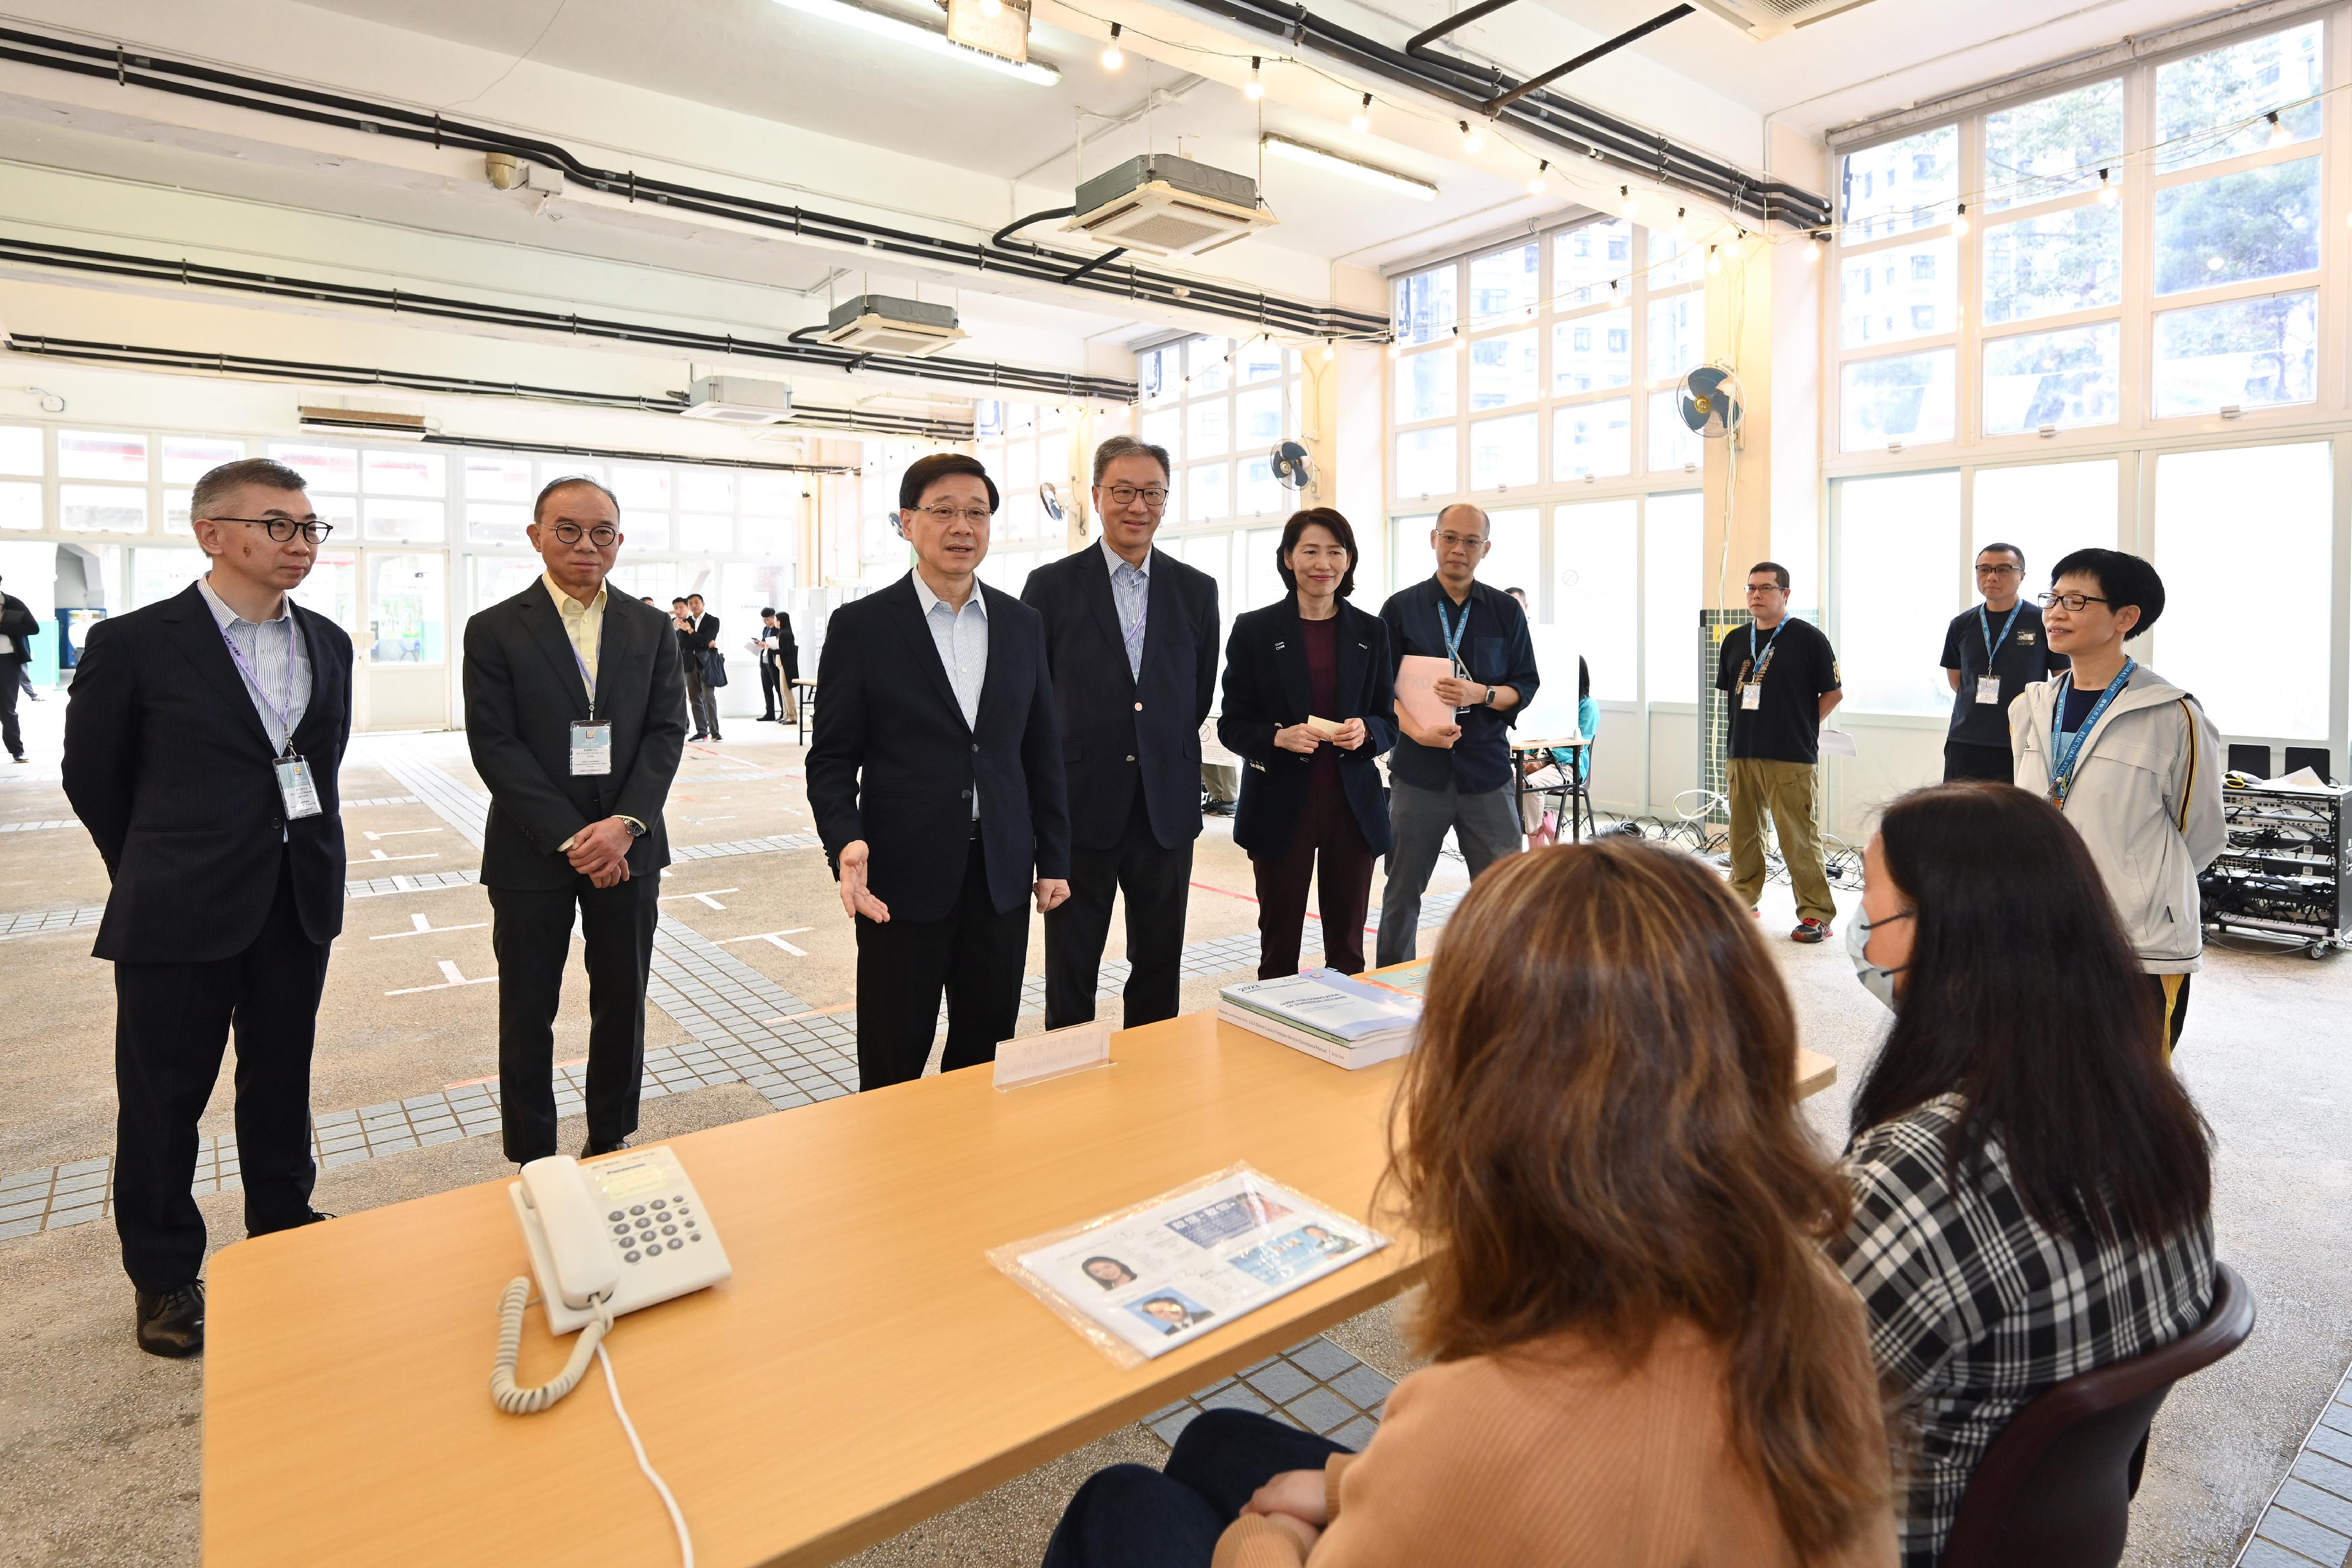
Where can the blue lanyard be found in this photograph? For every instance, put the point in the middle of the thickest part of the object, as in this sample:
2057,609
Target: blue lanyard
1453,632
1758,660
1985,622
282,715
2062,761
586,679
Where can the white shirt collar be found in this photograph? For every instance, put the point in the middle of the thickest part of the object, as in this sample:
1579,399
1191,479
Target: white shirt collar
565,602
225,616
1114,560
927,599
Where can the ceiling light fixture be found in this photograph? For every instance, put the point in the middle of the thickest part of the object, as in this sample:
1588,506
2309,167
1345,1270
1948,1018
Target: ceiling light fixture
1355,169
1682,222
1330,353
1112,59
1394,350
2280,135
1471,139
2108,194
1362,122
1625,200
1713,262
1960,221
1535,180
905,32
1256,86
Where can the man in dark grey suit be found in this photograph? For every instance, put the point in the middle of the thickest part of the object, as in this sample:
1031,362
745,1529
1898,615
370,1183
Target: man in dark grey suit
573,714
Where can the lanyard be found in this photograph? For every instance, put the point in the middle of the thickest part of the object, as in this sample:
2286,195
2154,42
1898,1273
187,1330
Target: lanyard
1985,622
1759,660
1452,633
587,678
2062,761
244,667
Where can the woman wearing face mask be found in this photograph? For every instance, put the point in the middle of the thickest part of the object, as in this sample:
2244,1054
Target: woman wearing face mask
2033,1188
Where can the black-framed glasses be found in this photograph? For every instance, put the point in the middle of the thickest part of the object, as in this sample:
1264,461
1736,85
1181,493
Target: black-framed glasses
1996,569
603,535
944,516
2074,603
1154,497
283,529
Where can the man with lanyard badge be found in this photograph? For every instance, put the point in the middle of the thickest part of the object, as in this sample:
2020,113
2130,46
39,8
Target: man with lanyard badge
2133,761
1456,776
1782,677
1991,654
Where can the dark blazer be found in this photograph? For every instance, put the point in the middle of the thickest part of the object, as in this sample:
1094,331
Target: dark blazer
1266,689
522,692
702,639
18,623
790,654
892,761
169,768
1117,726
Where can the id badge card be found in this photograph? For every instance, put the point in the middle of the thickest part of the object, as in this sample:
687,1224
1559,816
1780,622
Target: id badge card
1988,690
302,796
1751,696
1461,673
592,749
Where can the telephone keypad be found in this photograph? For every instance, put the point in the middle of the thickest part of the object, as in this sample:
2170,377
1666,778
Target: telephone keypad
636,1209
628,1258
616,1213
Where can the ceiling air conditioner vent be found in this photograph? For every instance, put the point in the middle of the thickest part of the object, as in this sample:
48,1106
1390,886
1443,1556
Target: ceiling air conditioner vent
382,424
1771,18
881,324
739,399
1169,205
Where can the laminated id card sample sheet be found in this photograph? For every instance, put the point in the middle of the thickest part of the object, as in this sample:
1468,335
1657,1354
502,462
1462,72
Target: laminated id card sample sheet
1161,1273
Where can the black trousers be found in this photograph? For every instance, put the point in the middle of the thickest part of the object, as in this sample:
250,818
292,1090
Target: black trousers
11,734
1965,759
975,955
1326,830
701,701
1157,883
771,680
1132,1516
530,931
172,1023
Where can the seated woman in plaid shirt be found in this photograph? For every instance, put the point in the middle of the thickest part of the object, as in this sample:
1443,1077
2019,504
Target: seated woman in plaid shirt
2033,1186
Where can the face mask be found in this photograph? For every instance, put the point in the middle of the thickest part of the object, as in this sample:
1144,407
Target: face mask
1875,978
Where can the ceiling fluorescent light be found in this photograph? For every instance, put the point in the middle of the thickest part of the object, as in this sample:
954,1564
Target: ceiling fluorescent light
923,37
1355,169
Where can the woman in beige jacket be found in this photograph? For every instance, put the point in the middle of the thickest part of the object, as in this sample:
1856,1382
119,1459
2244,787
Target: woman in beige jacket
1642,1361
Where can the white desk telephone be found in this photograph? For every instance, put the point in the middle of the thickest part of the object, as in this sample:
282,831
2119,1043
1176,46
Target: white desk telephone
605,1239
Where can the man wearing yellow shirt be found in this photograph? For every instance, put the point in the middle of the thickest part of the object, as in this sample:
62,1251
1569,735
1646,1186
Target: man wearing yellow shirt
575,716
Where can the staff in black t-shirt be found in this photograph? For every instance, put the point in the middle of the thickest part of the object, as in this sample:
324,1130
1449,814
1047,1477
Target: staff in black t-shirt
1782,677
1990,654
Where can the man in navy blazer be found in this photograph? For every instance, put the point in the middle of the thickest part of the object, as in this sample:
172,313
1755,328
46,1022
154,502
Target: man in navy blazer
935,774
1131,636
203,737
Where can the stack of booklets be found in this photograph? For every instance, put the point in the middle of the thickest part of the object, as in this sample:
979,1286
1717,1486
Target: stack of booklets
1351,1023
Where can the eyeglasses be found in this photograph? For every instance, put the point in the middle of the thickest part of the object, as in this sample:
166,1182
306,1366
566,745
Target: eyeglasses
603,535
1153,497
283,529
1449,541
2001,570
2074,603
975,515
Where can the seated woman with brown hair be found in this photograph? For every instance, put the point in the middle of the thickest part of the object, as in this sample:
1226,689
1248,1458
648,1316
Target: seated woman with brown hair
2033,1186
1641,1356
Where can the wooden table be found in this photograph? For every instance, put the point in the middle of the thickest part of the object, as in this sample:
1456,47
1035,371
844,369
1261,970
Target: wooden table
865,1369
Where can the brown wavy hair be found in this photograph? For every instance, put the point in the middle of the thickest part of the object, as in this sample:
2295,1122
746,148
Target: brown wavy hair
1598,1132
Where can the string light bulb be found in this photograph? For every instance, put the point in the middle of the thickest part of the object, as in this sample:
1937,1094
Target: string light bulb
1330,353
2108,194
992,7
1362,122
1682,224
2280,135
1394,350
1471,139
1960,221
1713,262
1254,88
1113,57
1625,200
1535,180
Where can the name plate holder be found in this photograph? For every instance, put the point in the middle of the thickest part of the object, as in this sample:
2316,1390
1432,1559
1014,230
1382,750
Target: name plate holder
1057,1054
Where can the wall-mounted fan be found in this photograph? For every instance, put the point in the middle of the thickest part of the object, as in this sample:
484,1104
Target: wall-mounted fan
1051,499
1711,402
1291,464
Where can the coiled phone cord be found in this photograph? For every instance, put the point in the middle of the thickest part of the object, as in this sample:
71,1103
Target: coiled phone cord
517,1401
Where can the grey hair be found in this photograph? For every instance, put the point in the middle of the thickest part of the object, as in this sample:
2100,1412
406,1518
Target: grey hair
1120,446
565,482
213,490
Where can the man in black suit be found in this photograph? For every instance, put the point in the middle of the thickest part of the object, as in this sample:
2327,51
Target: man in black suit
1131,636
935,774
204,735
695,640
572,714
18,626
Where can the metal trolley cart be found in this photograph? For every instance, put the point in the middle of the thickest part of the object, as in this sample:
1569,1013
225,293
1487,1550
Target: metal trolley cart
2283,871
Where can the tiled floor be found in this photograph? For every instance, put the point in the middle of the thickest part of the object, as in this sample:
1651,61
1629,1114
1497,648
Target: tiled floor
1314,1385
2308,1523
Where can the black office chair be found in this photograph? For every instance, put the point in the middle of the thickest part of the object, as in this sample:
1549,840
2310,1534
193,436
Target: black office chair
2054,1490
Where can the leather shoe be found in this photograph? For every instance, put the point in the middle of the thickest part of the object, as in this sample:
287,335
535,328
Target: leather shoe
699,735
173,1323
592,1149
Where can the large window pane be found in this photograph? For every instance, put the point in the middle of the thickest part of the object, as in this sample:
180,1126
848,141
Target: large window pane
700,489
1673,536
1159,373
1164,428
2251,353
1902,185
1503,452
407,609
187,459
1204,428
2053,146
1585,258
2208,539
1673,445
101,455
405,522
1503,370
1424,384
1261,577
1424,305
407,472
1889,295
1205,363
1677,335
1591,352
503,523
335,469
157,574
2049,510
1260,360
2065,378
1426,463
2070,261
20,505
645,531
1503,283
1257,492
102,509
2228,87
1672,260
1594,571
1593,440
1898,538
2259,223
1021,464
20,449
498,578
1907,398
1517,560
491,479
1206,497
332,591
1257,419
706,533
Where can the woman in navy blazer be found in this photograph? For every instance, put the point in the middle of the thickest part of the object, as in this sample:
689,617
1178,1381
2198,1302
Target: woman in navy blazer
1309,702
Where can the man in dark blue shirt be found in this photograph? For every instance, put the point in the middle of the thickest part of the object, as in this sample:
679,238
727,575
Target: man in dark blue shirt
1991,654
1456,776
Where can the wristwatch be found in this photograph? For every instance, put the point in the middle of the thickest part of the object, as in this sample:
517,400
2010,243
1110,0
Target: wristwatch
637,829
1489,701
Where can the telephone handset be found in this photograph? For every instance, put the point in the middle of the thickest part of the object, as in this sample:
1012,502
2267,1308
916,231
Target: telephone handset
605,1239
